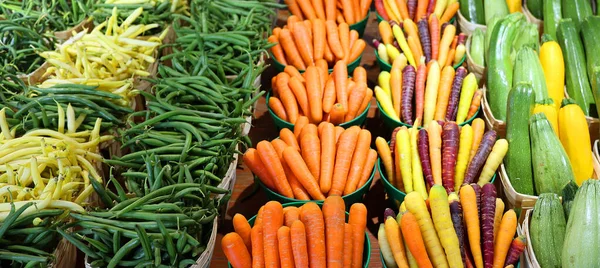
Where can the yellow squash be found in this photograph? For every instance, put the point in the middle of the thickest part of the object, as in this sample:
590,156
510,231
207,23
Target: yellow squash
551,58
547,107
514,5
575,138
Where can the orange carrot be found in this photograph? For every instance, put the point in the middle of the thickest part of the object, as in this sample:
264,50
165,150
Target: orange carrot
274,85
450,12
309,27
356,50
235,250
384,151
478,130
356,10
289,138
353,38
312,217
450,59
344,31
420,89
310,145
414,48
340,18
330,10
284,239
368,168
327,157
328,56
444,90
294,8
329,95
319,8
396,87
358,161
421,10
309,129
355,101
277,50
403,8
307,9
338,132
290,215
291,51
319,38
365,102
293,72
347,8
287,97
364,8
333,39
304,43
411,29
299,247
385,31
434,31
340,76
300,93
300,124
297,188
337,114
414,240
313,87
258,251
358,220
343,159
269,157
506,233
259,217
257,167
291,21
335,217
348,245
360,75
241,227
475,103
302,172
272,220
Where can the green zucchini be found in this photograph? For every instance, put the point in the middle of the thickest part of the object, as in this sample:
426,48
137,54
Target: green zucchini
577,10
490,24
568,195
552,14
551,167
582,236
529,69
590,33
578,85
518,157
473,11
547,230
477,47
529,36
499,81
495,8
535,8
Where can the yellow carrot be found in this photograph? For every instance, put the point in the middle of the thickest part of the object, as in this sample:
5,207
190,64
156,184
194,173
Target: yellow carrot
440,212
493,161
392,10
498,216
416,205
384,82
394,237
403,147
506,233
400,62
385,101
434,133
440,7
386,158
467,91
392,52
403,45
464,149
431,88
417,171
478,130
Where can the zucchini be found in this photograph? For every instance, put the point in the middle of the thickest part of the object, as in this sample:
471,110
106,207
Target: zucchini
577,10
495,8
490,24
590,33
547,230
552,15
582,236
578,85
518,157
477,47
551,167
568,195
500,80
529,69
535,8
473,11
529,36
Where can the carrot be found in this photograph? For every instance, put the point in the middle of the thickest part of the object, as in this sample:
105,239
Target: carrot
241,227
498,217
434,29
235,250
366,102
356,10
313,89
353,38
302,173
319,38
358,161
414,48
344,152
507,231
344,33
319,9
456,214
450,57
364,7
440,211
287,97
277,50
431,93
403,9
368,168
516,248
450,12
386,158
347,253
385,31
300,124
425,38
312,217
421,10
475,103
294,8
300,92
303,43
308,25
475,165
290,215
340,18
408,86
333,39
258,254
394,238
334,216
348,13
286,257
356,50
403,159
311,153
435,151
329,95
307,9
360,75
420,90
291,51
337,114
440,6
288,137
469,203
355,101
423,149
488,208
328,149
358,221
412,8
430,7
293,72
297,188
450,140
445,42
478,129
340,74
380,7
466,140
272,220
259,217
414,240
452,109
330,10
257,167
291,21
412,30
402,43
444,92
269,157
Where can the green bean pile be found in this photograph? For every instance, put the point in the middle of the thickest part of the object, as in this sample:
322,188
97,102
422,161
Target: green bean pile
155,11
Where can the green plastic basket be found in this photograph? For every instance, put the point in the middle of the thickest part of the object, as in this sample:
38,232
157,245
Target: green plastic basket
355,197
391,123
385,266
279,67
361,25
280,123
384,66
367,244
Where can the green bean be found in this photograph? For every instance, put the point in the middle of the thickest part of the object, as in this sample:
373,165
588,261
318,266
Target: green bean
18,257
122,252
12,217
81,246
145,241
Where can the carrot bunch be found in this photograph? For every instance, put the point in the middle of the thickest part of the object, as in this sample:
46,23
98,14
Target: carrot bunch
416,9
410,41
407,94
320,96
304,43
342,11
313,162
299,236
441,154
469,229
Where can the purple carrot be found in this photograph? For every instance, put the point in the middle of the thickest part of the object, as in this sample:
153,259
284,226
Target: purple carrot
412,8
430,7
389,213
514,252
457,220
393,140
396,45
452,108
376,43
488,210
477,190
444,27
450,139
409,76
425,38
423,149
462,38
441,123
485,147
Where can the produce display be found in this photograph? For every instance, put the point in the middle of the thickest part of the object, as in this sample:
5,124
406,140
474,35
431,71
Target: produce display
340,11
474,11
469,229
425,40
446,154
416,9
290,236
318,96
313,162
302,44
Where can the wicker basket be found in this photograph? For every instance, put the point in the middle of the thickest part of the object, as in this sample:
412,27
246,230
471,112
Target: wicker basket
490,121
476,69
204,260
86,24
528,257
466,26
65,255
596,157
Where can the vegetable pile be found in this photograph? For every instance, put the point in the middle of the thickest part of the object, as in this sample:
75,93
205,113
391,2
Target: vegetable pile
340,11
416,9
314,162
470,231
447,155
318,96
299,236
